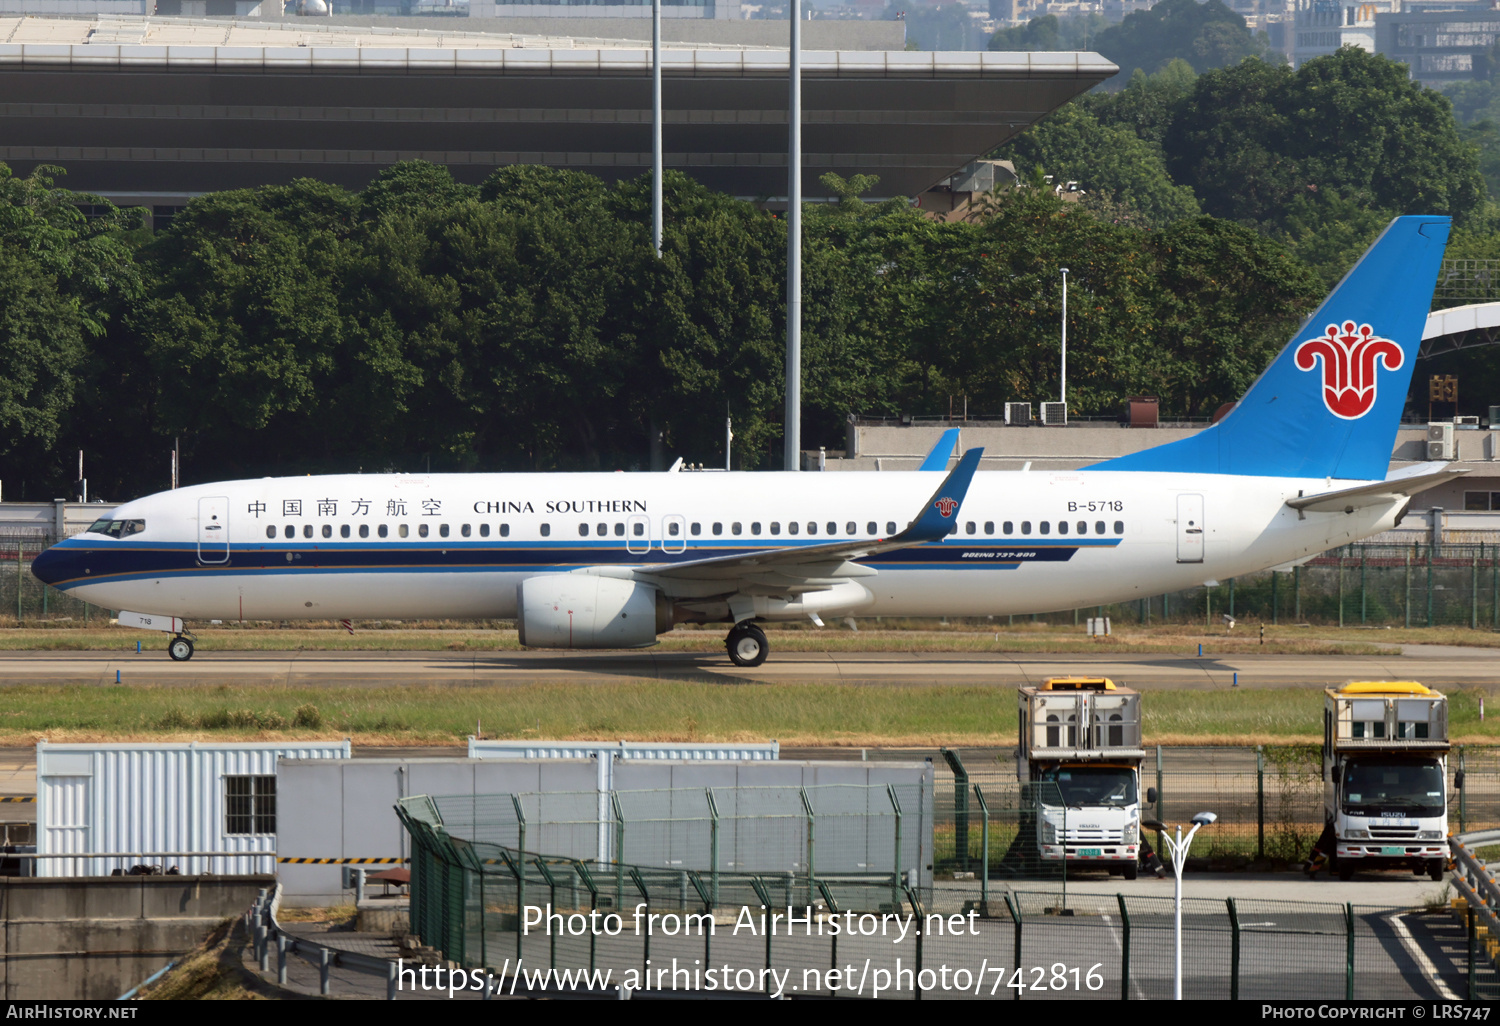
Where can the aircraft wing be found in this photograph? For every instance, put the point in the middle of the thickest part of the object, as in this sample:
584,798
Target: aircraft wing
933,522
1407,481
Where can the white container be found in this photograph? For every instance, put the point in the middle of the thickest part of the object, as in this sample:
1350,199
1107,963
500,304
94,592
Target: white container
153,804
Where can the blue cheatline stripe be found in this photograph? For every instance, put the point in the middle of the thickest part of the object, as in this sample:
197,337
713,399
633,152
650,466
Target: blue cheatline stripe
74,565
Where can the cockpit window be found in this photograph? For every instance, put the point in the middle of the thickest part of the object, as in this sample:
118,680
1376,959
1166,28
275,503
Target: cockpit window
117,528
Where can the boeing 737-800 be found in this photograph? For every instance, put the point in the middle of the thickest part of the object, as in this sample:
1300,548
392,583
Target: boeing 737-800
612,560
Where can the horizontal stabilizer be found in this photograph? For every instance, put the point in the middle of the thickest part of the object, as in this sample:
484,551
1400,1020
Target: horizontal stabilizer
1408,481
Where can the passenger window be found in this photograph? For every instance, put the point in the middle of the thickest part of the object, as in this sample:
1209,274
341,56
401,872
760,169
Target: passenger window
546,530
1099,527
602,530
1062,527
989,527
364,531
969,527
343,530
327,530
484,530
1026,527
1044,527
1119,527
289,531
271,531
718,529
619,530
832,527
443,530
1083,527
466,530
421,530
870,528
638,529
583,530
755,527
307,530
695,529
790,528
851,528
674,529
776,527
402,530
890,527
734,528
1009,527
505,530
384,530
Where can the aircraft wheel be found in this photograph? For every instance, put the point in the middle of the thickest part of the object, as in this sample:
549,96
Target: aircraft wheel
1130,870
747,645
181,649
1435,869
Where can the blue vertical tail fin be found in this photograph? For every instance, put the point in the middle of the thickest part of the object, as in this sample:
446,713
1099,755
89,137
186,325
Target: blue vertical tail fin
1330,403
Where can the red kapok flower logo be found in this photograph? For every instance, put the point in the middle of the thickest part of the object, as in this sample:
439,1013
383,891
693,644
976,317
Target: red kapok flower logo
945,506
1349,356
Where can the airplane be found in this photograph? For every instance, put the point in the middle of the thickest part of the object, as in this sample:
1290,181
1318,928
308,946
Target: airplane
612,560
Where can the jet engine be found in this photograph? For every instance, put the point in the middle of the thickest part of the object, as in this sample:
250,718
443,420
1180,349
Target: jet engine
587,611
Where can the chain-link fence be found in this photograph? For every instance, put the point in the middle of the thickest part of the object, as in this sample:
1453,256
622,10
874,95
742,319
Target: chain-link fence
23,598
531,916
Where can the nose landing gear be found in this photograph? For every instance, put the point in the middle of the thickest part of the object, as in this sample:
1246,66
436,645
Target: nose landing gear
180,649
747,645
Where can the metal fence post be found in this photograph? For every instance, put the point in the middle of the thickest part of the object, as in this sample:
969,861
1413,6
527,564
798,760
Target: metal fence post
811,822
984,828
1469,919
1406,606
1234,950
551,881
1494,591
588,881
1161,795
1124,948
833,909
1429,585
1474,593
1463,794
640,885
960,808
1349,952
1341,589
713,850
916,922
1364,562
890,790
324,967
1274,581
1260,801
390,982
281,959
1296,594
614,804
1015,915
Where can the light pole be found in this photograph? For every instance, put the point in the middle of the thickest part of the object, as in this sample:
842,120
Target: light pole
1179,849
656,155
792,452
1063,390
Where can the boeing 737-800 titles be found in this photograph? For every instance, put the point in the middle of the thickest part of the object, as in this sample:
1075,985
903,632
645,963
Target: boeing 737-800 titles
612,560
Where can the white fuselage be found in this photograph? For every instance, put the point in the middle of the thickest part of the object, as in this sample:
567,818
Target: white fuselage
457,546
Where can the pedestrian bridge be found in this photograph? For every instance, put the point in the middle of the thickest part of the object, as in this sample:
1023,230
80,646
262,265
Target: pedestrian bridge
1460,327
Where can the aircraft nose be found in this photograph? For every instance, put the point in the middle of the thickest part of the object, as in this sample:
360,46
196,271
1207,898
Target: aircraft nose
49,565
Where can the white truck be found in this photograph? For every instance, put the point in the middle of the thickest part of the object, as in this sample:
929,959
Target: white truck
1081,740
1385,761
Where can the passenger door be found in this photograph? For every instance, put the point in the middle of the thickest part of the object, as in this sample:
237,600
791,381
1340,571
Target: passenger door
1189,528
673,533
213,530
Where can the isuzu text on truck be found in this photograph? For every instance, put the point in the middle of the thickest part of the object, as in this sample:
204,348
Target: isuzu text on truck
1081,742
1385,761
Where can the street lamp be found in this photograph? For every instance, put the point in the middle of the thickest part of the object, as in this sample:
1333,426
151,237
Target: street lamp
1179,849
1063,390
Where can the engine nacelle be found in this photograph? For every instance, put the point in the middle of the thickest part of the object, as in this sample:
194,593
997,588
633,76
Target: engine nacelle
585,611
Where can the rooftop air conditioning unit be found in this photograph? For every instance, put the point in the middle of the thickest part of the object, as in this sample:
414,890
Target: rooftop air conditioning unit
1054,414
1466,422
1440,441
1018,414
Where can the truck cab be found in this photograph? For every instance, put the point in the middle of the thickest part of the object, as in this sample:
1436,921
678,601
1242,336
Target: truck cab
1081,754
1385,760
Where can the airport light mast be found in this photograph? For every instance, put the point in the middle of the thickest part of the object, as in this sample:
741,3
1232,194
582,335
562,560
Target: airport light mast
656,156
792,458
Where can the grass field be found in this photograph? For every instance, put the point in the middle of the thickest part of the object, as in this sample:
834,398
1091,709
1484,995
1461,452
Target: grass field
796,715
891,636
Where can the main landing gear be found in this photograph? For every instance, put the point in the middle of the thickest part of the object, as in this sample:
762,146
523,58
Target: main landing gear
180,649
747,645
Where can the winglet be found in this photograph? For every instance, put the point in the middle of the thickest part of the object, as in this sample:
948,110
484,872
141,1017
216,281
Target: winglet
938,516
941,453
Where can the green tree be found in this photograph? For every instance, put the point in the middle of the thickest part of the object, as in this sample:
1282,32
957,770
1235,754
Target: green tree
1049,32
1207,35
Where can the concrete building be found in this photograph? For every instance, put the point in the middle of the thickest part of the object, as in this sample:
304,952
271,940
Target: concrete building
151,111
1439,46
1320,27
